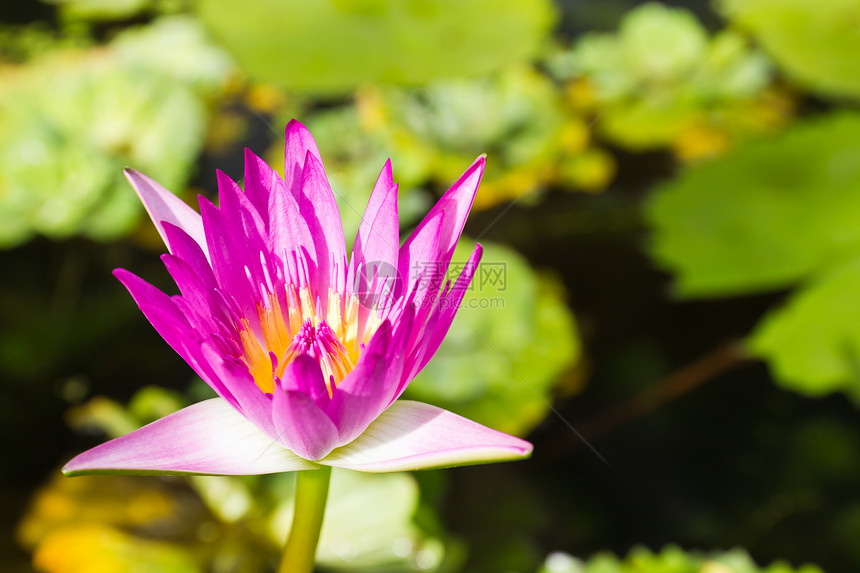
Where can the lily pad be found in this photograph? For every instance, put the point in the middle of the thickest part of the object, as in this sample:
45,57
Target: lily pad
771,213
72,119
816,43
337,45
662,77
813,343
670,560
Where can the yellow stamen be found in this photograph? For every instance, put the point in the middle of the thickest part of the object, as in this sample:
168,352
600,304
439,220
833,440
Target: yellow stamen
336,341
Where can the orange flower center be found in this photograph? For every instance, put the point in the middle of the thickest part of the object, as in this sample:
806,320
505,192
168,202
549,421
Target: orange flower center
330,335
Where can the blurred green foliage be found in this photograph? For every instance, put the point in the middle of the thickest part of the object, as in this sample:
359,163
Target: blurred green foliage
397,41
816,43
813,342
70,120
748,223
669,560
101,9
759,180
661,81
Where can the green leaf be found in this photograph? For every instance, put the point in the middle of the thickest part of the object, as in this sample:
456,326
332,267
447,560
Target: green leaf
72,119
772,212
337,45
661,77
670,560
815,42
101,9
813,343
512,338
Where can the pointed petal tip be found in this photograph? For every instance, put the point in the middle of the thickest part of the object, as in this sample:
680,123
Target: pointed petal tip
207,438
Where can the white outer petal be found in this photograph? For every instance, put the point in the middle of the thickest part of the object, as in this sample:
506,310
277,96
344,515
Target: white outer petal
209,437
413,435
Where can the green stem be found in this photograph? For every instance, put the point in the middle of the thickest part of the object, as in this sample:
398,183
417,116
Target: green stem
311,495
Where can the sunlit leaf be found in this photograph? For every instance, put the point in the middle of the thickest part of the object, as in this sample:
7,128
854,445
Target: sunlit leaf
661,77
101,9
72,119
813,343
669,560
815,42
337,45
93,547
771,213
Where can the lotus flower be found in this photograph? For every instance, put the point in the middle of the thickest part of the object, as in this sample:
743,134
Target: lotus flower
307,351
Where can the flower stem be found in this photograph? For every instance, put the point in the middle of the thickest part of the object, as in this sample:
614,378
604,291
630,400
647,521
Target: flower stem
311,494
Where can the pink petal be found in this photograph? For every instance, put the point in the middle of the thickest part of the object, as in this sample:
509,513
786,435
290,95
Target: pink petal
209,437
435,239
299,143
301,425
378,237
366,391
413,435
319,210
259,181
162,205
164,315
287,230
443,315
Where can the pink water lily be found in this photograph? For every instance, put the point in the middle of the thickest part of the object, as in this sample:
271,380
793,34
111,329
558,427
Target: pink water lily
308,351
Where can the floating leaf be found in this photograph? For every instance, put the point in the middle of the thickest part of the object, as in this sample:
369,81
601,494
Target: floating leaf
813,343
669,560
72,119
815,42
772,212
337,45
661,78
511,340
101,9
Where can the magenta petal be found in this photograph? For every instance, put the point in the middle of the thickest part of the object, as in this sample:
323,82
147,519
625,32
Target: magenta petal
418,266
366,391
300,424
444,313
299,144
435,239
209,437
287,230
378,238
413,435
186,248
259,181
169,322
319,210
162,205
304,375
